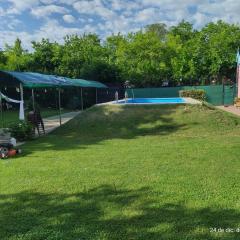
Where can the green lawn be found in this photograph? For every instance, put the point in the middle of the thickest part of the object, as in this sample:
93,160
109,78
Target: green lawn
12,116
115,172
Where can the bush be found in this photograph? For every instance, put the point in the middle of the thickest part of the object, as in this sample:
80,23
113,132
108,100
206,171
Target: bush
194,93
21,131
237,102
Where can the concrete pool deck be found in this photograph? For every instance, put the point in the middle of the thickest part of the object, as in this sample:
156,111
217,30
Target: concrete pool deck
187,101
192,101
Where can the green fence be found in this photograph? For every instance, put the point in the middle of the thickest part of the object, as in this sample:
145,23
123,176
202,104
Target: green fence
215,94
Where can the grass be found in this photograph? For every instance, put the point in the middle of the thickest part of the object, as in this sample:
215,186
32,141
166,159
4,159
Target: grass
11,116
133,172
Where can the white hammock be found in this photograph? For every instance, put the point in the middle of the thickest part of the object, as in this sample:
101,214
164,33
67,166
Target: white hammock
21,110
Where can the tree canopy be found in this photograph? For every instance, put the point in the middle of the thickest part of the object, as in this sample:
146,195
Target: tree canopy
149,57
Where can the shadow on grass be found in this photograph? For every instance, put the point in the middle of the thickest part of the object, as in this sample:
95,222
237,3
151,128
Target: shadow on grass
107,213
110,122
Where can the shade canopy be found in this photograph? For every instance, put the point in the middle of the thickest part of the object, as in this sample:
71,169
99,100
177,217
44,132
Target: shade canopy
38,80
87,83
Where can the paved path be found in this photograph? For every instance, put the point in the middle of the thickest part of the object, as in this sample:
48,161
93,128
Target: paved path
52,123
230,109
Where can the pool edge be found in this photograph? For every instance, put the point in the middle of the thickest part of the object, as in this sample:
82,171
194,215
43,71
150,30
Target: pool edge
187,101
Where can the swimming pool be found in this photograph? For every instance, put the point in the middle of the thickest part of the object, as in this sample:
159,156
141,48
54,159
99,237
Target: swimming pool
152,101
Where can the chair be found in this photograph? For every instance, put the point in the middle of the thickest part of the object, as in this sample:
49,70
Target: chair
34,117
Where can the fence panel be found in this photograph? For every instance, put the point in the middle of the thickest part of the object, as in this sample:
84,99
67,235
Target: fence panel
215,94
229,94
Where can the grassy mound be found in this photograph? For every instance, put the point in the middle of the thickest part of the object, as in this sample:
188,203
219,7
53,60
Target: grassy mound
126,172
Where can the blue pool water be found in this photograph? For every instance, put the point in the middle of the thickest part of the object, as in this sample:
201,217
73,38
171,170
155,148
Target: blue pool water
152,101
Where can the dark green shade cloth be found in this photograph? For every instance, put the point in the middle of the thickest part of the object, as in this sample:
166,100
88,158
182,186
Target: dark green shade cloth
38,80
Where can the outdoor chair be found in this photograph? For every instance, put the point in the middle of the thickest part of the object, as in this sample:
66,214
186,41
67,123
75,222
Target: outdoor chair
34,117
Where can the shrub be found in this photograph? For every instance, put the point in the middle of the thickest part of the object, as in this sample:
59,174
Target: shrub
237,102
198,94
21,131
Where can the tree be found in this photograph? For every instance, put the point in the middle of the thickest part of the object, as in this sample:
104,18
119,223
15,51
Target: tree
46,56
3,60
160,29
184,30
183,40
80,52
180,55
140,59
16,57
219,42
101,71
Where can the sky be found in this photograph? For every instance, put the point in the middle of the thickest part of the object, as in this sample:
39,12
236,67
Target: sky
36,19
